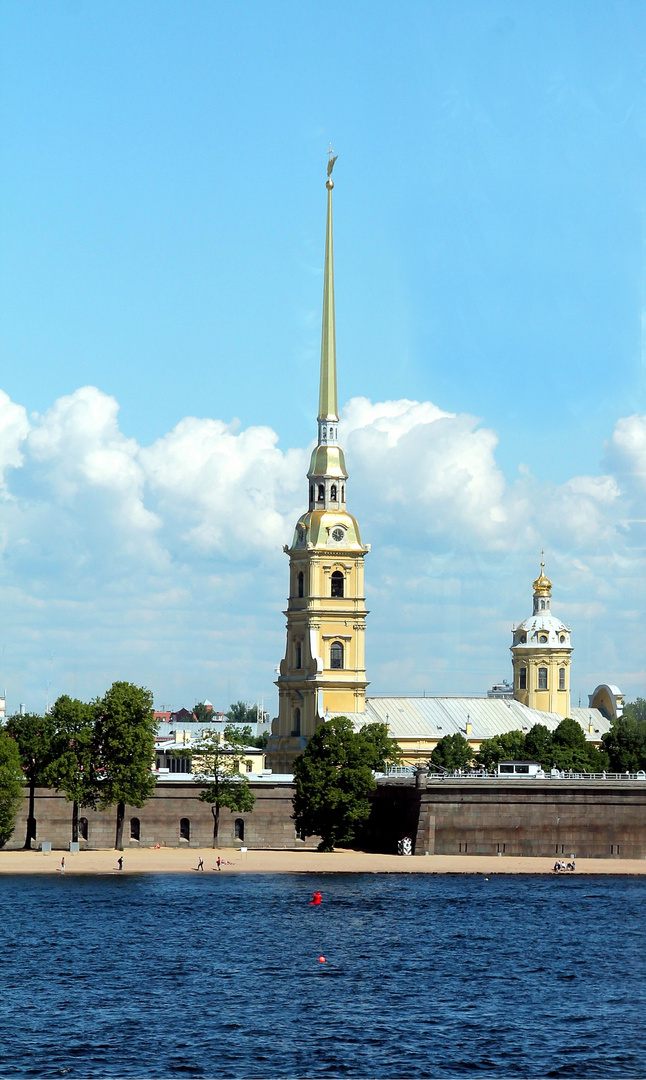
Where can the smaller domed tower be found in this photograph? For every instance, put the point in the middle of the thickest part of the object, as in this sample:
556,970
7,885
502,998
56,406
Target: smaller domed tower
541,653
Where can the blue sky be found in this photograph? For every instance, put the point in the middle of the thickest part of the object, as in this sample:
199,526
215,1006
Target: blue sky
161,240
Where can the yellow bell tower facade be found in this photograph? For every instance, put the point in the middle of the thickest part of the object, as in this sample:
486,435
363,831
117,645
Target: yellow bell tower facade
541,655
324,668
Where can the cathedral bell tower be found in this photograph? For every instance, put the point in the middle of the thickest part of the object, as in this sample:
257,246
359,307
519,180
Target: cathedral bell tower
324,667
541,655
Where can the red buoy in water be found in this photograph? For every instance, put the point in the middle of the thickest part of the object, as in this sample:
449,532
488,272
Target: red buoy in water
316,898
321,959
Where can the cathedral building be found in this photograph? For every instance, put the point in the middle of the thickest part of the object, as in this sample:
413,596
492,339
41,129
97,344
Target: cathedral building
324,670
323,673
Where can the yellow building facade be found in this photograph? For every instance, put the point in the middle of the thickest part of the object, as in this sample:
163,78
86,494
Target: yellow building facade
541,655
324,669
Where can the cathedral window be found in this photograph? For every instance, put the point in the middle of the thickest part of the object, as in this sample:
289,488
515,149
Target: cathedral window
522,678
296,729
301,584
333,492
543,639
336,654
561,678
321,493
542,678
542,605
299,654
343,493
311,492
562,639
337,583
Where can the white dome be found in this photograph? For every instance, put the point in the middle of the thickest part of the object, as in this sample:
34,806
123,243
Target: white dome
540,631
542,621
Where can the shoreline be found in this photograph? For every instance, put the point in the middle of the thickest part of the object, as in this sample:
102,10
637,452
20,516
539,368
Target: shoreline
184,861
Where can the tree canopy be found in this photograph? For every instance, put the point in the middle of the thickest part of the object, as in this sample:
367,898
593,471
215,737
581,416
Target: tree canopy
625,743
11,785
509,746
242,712
217,760
565,748
33,736
333,779
452,752
125,731
75,756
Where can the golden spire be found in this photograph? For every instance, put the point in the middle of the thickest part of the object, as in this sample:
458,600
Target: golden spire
327,391
542,585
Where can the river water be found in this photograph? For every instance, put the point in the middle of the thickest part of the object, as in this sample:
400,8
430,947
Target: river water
211,975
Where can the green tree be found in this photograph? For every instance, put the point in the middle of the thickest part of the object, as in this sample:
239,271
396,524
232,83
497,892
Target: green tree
636,709
625,744
538,745
33,736
452,752
507,747
203,714
125,729
11,785
217,763
570,750
241,712
74,769
333,779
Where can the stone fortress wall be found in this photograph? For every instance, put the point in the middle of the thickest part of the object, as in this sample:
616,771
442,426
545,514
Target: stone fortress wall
592,819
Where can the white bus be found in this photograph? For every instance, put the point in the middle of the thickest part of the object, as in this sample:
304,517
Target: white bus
523,770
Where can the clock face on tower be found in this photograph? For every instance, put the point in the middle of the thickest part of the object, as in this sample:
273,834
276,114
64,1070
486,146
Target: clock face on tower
337,535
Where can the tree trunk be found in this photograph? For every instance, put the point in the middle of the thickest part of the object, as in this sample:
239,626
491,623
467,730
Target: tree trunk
121,813
75,822
31,820
215,810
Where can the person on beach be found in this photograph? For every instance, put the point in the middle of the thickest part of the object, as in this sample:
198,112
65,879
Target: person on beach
219,863
200,863
120,862
63,865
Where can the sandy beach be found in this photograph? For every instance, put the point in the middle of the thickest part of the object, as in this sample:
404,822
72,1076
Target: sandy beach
180,861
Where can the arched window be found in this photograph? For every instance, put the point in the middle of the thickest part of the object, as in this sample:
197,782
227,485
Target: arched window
238,829
542,678
301,584
83,829
299,654
333,492
134,828
321,492
184,829
336,654
296,729
337,582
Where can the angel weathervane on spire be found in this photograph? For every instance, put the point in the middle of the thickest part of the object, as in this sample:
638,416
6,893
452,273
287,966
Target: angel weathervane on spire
330,166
